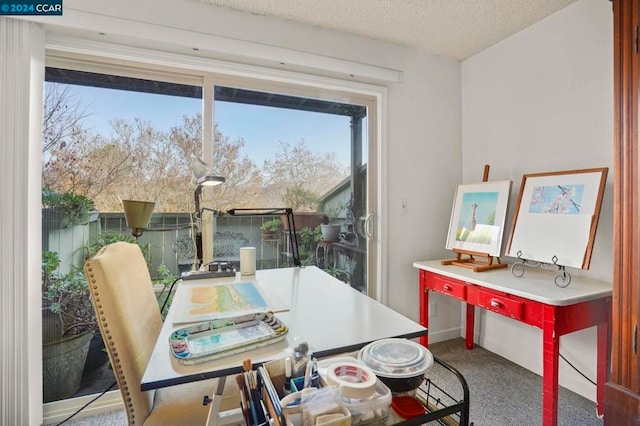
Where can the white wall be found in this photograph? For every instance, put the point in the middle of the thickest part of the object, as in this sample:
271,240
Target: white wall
542,100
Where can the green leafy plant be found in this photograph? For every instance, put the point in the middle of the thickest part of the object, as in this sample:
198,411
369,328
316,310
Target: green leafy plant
76,207
308,239
333,213
165,279
271,226
67,296
107,237
340,274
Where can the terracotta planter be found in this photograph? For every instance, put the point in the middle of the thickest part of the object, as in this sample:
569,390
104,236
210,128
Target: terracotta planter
304,220
269,236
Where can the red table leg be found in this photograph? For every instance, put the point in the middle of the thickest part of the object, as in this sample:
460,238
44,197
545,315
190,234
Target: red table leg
550,353
424,310
602,363
470,326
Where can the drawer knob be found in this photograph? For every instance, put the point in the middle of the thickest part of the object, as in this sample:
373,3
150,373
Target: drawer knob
446,287
495,303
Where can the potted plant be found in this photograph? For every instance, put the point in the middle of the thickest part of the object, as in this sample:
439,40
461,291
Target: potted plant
68,326
331,230
270,229
66,209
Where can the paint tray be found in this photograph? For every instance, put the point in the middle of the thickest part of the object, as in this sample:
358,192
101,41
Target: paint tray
225,336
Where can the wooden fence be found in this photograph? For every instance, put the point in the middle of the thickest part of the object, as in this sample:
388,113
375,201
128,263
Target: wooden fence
164,230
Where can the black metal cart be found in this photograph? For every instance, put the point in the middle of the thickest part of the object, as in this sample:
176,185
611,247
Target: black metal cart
442,406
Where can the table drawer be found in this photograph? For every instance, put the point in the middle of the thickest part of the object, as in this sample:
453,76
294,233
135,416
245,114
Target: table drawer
449,287
501,304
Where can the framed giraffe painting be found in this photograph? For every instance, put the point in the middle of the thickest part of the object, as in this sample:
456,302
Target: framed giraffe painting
478,217
556,217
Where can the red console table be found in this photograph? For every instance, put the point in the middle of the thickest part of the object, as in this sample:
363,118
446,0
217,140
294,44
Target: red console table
533,299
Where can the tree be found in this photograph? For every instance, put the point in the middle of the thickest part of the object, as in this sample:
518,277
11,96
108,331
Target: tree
243,180
137,161
298,176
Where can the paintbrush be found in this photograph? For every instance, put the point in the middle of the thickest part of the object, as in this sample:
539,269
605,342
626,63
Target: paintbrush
243,399
255,402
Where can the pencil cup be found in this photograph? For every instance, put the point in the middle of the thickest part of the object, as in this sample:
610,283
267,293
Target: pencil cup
247,260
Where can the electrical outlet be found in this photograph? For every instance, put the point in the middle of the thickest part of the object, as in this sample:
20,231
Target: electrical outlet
403,206
432,309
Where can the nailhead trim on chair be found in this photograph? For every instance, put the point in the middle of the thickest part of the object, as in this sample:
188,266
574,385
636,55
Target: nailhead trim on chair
117,368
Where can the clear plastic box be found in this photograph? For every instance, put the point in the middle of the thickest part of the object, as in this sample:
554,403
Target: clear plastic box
372,410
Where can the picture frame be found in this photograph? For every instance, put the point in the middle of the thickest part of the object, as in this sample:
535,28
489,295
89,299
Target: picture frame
478,217
557,216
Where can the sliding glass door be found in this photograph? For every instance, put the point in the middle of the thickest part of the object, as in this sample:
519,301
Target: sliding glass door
311,154
114,133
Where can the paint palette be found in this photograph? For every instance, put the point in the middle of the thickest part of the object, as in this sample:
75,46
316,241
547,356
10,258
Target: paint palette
225,336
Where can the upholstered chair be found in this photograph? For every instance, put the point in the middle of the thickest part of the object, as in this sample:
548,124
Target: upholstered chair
130,322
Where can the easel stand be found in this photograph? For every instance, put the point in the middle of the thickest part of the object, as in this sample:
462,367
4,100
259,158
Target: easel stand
471,261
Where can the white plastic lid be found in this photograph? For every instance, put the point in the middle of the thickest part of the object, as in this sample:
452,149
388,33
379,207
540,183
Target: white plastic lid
396,358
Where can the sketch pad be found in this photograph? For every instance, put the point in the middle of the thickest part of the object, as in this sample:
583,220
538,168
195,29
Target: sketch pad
212,301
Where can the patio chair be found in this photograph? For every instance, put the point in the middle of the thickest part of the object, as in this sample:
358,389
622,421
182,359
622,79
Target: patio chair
130,322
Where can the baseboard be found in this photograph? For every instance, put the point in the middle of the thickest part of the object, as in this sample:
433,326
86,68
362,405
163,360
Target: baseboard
55,412
442,335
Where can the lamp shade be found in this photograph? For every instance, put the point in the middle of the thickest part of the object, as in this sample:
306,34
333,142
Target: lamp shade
137,215
210,180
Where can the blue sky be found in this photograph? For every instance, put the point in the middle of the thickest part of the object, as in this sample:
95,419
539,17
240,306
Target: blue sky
261,127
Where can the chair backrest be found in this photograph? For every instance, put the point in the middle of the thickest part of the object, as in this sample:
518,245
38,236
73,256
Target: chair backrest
129,319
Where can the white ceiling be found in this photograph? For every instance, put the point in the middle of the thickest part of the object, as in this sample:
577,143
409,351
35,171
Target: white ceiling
452,28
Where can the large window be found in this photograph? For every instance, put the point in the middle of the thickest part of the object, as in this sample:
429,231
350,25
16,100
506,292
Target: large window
110,137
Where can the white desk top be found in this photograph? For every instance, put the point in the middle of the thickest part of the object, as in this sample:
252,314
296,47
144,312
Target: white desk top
535,284
328,314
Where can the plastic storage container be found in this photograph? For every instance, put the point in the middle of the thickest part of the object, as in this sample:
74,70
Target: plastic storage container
371,410
399,363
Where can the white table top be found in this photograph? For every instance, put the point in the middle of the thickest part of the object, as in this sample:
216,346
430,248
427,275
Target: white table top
330,315
535,284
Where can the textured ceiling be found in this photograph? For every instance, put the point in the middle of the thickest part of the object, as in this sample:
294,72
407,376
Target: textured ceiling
452,28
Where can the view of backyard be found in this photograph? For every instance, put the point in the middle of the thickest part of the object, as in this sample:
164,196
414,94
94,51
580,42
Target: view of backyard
109,138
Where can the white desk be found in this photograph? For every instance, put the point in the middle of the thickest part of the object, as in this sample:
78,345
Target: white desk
328,314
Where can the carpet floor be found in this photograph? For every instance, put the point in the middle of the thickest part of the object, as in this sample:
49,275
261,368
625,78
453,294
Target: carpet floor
503,393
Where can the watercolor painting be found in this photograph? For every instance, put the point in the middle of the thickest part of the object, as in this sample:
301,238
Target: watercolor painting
556,199
478,216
